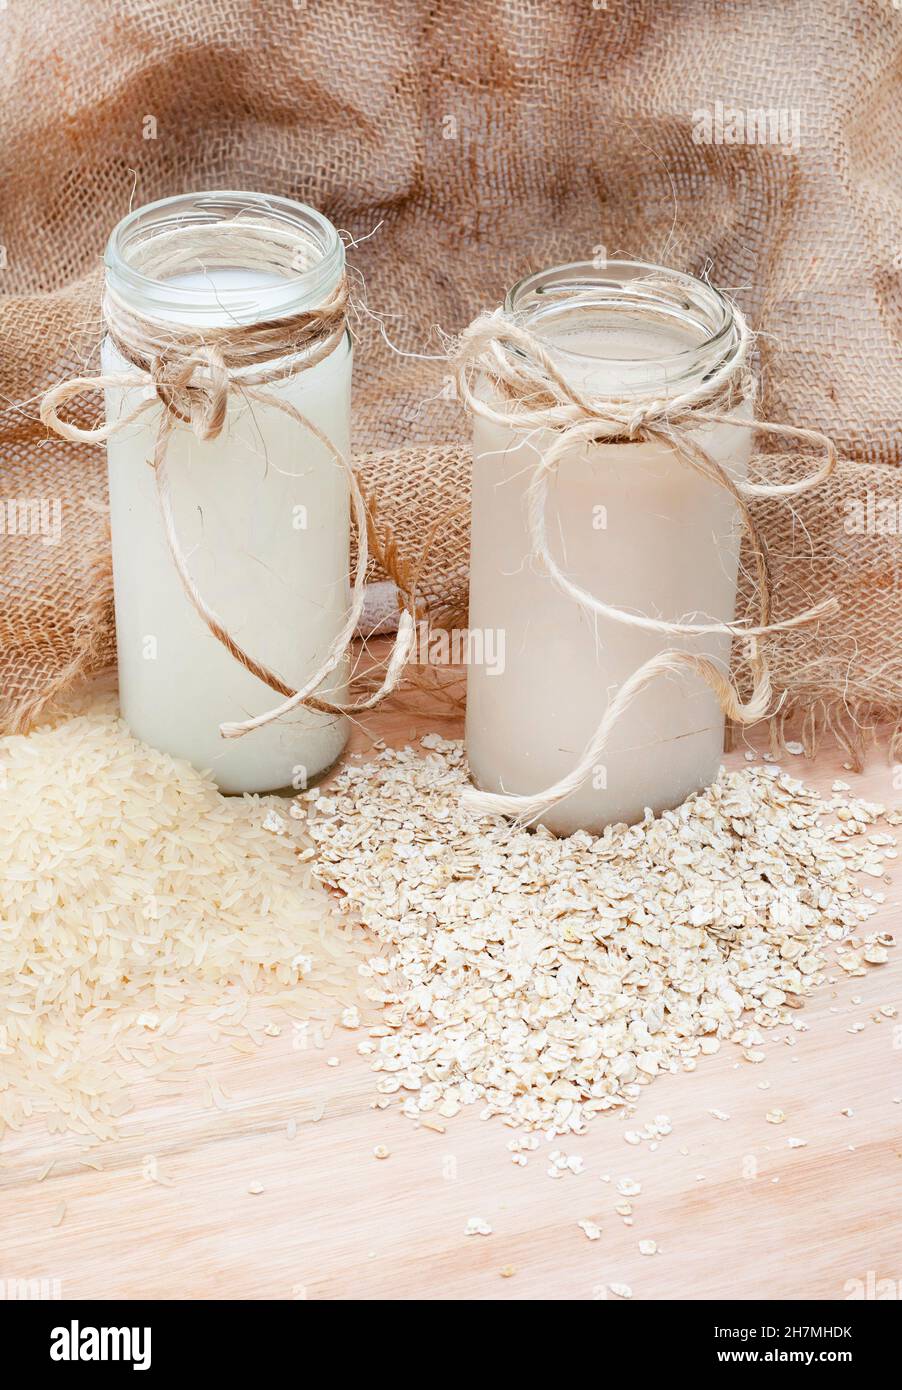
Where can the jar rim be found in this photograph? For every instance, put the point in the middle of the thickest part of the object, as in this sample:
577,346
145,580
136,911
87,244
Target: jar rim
294,289
634,286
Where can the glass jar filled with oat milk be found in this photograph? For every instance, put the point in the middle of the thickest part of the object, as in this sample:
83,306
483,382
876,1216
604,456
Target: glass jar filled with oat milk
627,521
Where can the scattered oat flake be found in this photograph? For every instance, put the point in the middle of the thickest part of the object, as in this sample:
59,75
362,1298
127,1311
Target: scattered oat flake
507,1271
590,1230
526,974
476,1226
797,1143
255,1189
775,1117
720,1114
380,1151
648,1247
621,1290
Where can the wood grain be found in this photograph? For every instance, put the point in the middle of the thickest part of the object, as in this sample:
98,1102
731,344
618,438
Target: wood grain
739,1215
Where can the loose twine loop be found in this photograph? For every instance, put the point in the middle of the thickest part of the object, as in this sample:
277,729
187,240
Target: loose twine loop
192,373
527,392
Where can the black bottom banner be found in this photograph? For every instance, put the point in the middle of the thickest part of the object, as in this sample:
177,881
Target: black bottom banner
65,1338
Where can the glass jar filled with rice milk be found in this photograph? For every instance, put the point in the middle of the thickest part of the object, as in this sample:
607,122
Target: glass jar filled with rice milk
223,289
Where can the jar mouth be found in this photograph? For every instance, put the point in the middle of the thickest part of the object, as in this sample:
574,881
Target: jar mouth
629,324
223,257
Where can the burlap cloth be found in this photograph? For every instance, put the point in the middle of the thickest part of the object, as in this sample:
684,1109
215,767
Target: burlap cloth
486,140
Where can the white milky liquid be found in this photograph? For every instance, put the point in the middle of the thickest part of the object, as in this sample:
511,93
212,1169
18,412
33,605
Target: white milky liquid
665,543
262,517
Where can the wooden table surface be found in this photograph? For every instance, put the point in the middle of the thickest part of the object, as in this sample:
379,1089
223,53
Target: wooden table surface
736,1213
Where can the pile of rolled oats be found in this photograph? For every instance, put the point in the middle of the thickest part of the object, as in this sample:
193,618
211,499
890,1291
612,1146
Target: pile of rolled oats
548,979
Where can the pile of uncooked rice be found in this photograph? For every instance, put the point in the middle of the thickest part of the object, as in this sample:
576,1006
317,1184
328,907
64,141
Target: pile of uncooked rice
134,895
549,979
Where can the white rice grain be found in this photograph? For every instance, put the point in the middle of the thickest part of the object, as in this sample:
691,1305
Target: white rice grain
130,888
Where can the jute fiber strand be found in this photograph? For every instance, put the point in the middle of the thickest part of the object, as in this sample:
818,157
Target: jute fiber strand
465,143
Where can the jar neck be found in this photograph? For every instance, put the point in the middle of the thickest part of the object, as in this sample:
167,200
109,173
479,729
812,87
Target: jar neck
629,330
213,259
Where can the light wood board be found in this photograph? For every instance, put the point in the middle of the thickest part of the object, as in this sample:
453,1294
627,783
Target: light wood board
741,1215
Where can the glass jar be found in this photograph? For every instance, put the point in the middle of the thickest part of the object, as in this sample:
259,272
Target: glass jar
627,521
261,511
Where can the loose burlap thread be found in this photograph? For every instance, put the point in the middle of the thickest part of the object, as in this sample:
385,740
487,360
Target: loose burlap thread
485,141
506,375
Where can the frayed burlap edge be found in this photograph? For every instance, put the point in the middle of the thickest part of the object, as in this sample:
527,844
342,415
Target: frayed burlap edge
91,650
854,727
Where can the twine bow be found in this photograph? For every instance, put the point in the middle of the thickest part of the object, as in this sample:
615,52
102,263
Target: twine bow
203,405
529,393
191,374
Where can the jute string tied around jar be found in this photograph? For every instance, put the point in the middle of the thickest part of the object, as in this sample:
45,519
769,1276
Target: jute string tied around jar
192,373
524,390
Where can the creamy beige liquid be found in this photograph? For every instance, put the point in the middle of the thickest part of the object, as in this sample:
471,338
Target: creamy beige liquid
636,528
262,517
